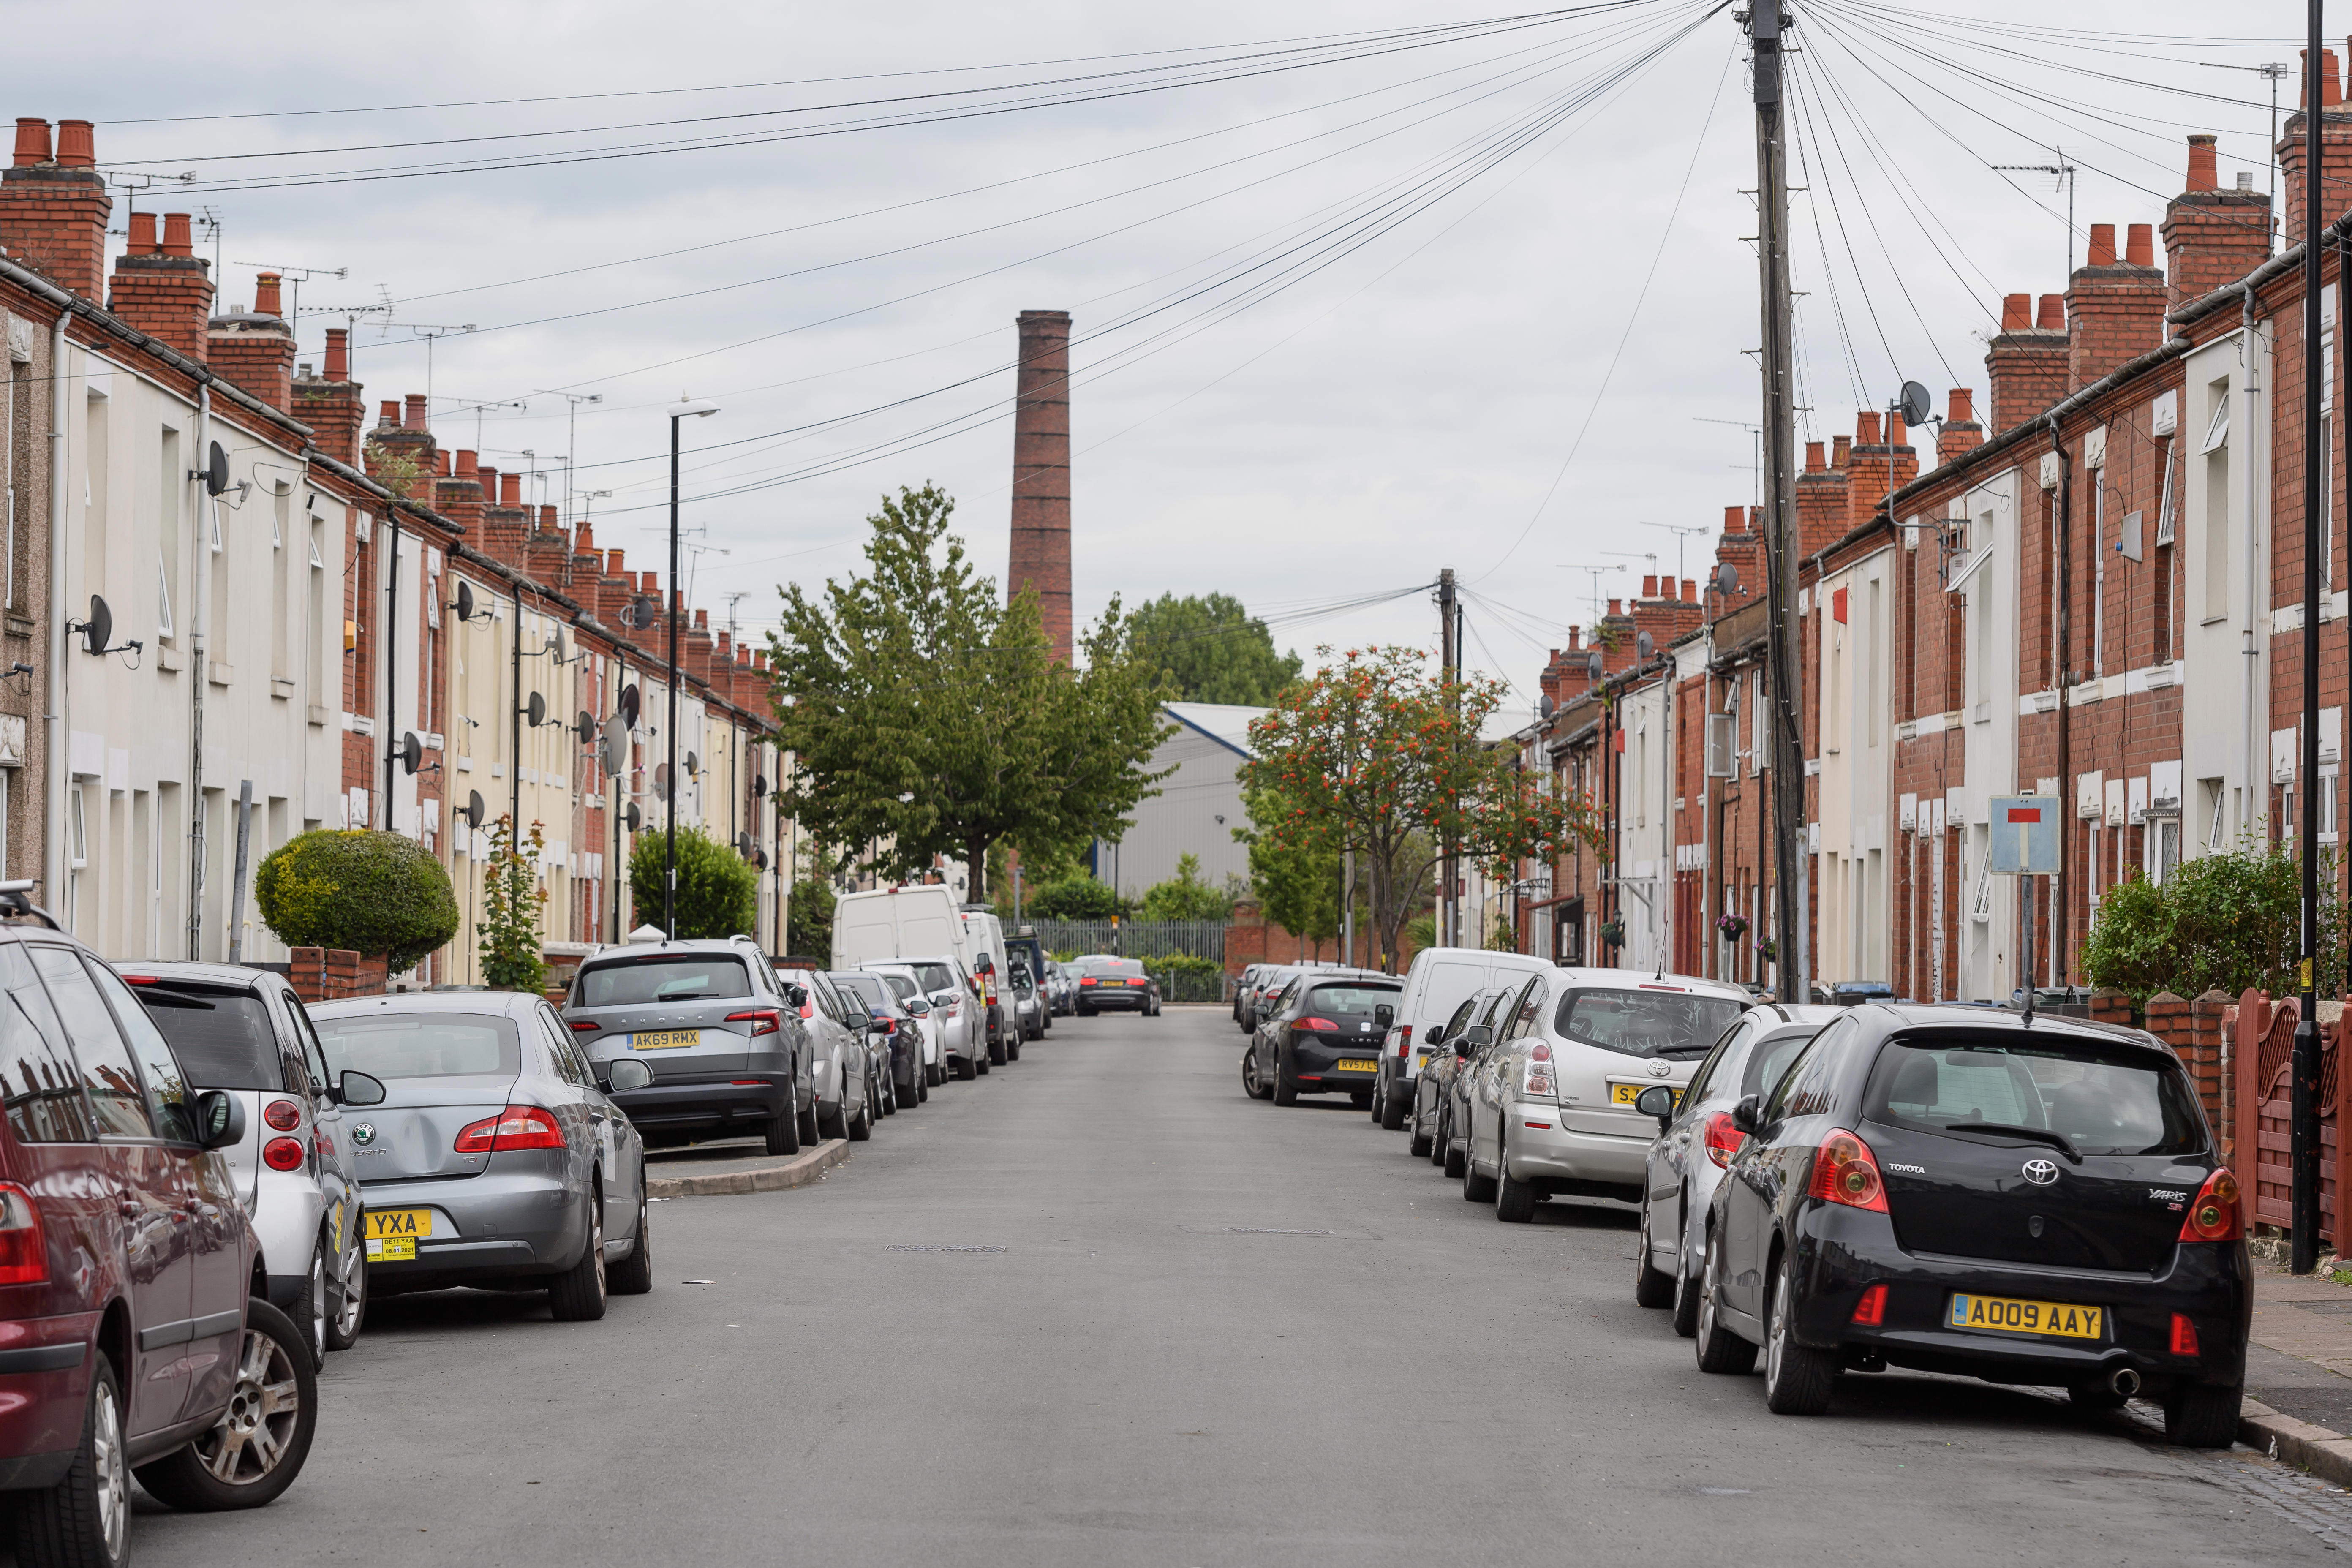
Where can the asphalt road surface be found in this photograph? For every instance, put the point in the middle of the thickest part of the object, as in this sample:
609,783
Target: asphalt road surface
1098,1308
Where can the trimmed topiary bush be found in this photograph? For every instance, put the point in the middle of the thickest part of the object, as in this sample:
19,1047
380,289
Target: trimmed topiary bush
360,890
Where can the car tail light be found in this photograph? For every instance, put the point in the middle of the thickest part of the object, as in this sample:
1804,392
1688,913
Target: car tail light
585,1026
1542,1053
1089,980
2184,1335
283,1115
23,1243
282,1154
139,980
515,1127
1404,1040
1722,1139
763,1021
1871,1311
1539,1078
2215,1216
1845,1172
1319,1025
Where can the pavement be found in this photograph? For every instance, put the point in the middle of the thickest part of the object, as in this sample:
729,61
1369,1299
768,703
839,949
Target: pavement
2299,1371
1099,1309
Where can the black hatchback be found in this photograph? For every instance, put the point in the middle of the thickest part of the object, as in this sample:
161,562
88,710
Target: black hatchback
2034,1202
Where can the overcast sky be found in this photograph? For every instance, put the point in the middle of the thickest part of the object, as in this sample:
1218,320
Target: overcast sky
1479,303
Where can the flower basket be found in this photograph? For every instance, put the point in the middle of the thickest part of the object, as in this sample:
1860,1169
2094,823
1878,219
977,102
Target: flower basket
1613,934
1733,927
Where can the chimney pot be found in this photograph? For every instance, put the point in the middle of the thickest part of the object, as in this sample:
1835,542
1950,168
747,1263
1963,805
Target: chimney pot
143,235
1690,590
78,150
441,466
1961,408
2016,312
32,143
2139,244
1815,461
613,563
2202,169
510,489
178,240
1841,450
1575,638
265,299
1865,428
339,353
2331,91
413,418
466,463
2053,318
585,541
391,418
1896,435
1650,585
2103,246
547,519
701,620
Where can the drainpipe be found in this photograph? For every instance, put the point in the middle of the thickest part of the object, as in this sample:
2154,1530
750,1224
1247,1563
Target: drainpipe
200,672
2063,919
53,853
2257,765
391,733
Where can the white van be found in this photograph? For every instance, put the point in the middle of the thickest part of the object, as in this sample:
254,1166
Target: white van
1440,979
916,922
985,939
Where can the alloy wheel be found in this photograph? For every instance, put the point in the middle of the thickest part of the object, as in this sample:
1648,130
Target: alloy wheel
109,1476
253,1434
318,1323
350,1302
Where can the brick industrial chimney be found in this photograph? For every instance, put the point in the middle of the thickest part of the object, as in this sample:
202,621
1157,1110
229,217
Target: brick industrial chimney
1041,474
53,209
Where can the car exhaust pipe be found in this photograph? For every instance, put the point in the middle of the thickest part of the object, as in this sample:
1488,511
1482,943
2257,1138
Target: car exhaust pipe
2124,1383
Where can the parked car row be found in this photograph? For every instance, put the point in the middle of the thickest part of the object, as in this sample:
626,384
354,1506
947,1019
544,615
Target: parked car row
1834,1189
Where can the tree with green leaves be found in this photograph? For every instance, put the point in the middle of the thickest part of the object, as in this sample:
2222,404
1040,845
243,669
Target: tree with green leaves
1296,876
718,889
514,958
929,717
1210,650
1373,753
1186,896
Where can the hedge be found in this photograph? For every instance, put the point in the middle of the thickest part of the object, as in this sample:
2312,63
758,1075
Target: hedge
358,890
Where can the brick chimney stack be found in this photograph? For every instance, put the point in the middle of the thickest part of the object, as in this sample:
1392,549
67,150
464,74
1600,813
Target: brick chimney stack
2212,237
2115,306
2334,149
330,404
2027,364
1961,432
254,348
166,290
1821,492
1041,474
53,209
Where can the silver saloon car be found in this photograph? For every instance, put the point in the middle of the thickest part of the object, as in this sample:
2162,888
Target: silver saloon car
497,1157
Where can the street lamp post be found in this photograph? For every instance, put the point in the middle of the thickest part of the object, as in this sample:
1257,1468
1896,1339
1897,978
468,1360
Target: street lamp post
686,407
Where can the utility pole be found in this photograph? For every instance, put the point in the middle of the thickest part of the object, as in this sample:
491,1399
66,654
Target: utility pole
1449,661
1791,900
2303,1098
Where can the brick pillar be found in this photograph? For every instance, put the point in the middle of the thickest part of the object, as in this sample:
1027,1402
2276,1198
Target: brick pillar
2208,1027
1041,474
2250,1020
306,972
2109,1005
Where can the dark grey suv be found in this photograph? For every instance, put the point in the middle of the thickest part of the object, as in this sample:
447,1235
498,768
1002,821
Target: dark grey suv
728,1051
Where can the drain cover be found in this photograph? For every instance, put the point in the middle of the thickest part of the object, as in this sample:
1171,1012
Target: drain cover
911,1246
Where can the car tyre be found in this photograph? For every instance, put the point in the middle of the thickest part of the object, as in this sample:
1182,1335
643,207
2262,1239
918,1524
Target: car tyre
1475,1188
963,1069
784,1133
634,1275
996,1057
862,1128
1285,1087
1652,1286
577,1295
1252,1084
1390,1113
1012,1048
85,1519
1515,1201
1686,1303
2198,1415
261,1439
931,1074
1719,1349
1419,1147
346,1299
1456,1158
1797,1378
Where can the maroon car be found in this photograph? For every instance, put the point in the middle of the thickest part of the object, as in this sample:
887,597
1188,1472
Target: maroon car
130,1340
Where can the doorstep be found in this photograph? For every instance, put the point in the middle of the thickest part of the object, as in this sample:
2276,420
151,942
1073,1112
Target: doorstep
797,1172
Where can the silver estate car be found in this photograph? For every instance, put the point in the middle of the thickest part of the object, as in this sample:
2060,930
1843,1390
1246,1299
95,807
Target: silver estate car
1443,1052
1696,1144
497,1157
841,1070
244,1030
963,1046
907,991
728,1049
1550,1100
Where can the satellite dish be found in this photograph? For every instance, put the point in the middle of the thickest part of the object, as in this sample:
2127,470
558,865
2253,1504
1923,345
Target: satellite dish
1914,405
216,471
693,766
760,858
629,703
412,752
1596,665
661,780
1543,706
100,627
555,646
758,786
586,725
1644,644
642,613
616,744
1727,578
743,845
537,710
465,605
633,816
475,809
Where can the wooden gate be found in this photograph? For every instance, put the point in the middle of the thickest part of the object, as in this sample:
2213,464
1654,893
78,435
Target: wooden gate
2263,1047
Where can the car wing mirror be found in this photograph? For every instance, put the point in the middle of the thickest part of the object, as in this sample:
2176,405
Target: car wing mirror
1744,1115
916,1006
1476,1035
357,1088
1656,1101
1383,1015
220,1119
626,1073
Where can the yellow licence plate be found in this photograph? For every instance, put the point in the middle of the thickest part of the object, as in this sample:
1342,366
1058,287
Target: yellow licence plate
664,1039
2003,1315
392,1234
1352,1066
1627,1093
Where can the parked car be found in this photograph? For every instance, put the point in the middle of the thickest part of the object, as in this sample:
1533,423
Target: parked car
1551,1102
1025,949
498,1156
924,1018
1058,987
845,1107
138,1343
1028,1004
1694,1146
898,1052
244,1031
985,937
955,1014
1246,995
728,1052
1325,1036
1116,984
1439,980
1446,1048
1272,981
1963,1191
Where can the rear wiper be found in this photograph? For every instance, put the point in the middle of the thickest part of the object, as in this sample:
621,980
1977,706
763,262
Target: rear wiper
2038,1134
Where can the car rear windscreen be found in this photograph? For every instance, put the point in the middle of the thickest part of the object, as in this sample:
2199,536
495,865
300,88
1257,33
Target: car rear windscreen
902,987
422,1044
1646,1023
869,989
1355,1001
672,977
224,1040
1132,967
1767,1061
934,976
2101,1100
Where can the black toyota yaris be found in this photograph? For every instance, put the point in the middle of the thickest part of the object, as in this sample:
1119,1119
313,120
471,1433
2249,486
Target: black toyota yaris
1963,1191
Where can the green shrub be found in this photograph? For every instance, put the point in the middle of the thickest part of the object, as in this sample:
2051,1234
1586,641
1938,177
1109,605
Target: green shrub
808,924
357,889
1186,896
1073,898
513,956
2229,921
1187,977
718,889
